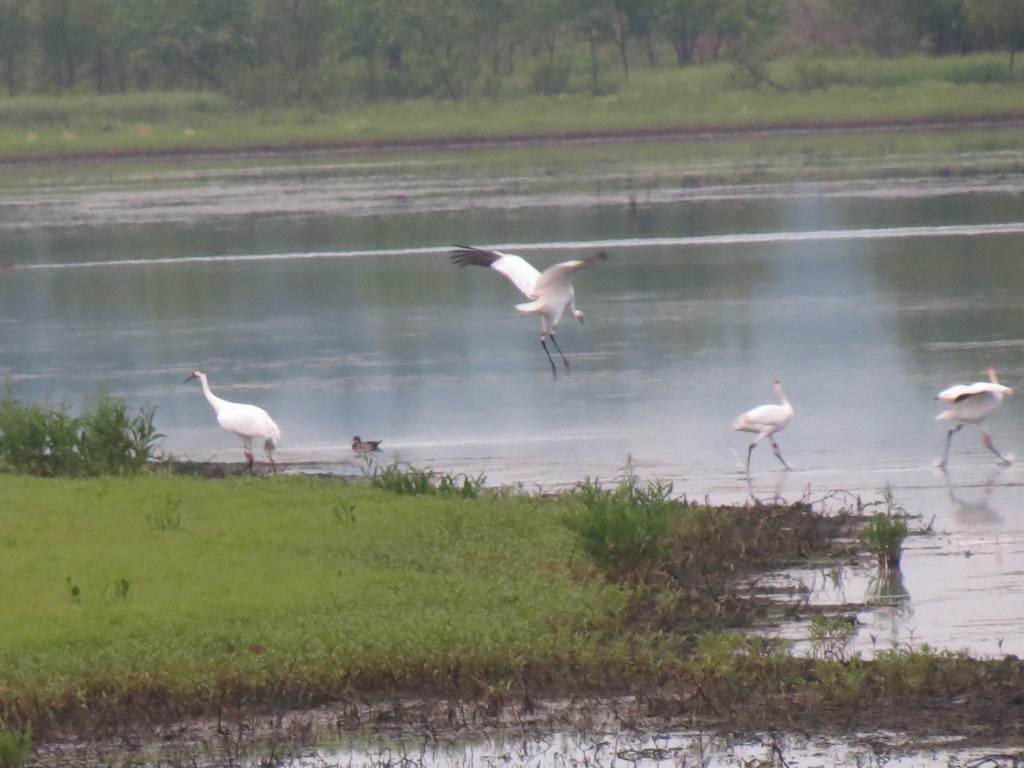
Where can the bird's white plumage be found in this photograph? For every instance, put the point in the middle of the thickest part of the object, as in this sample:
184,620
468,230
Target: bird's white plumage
765,421
522,273
972,404
550,292
245,420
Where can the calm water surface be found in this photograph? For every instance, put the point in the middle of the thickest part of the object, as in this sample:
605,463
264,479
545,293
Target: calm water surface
324,293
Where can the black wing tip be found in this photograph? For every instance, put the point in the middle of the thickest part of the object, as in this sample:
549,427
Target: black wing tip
464,255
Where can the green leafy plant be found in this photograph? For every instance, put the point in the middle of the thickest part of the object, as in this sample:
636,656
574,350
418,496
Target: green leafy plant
121,588
105,439
884,532
830,636
623,529
15,747
167,519
407,480
111,441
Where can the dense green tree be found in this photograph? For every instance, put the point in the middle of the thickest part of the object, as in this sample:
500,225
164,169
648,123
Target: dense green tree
15,43
934,25
293,33
278,51
683,22
200,40
64,40
1002,20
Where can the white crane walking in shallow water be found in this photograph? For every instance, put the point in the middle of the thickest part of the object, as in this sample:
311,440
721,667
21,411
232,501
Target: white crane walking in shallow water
766,420
246,421
972,404
549,292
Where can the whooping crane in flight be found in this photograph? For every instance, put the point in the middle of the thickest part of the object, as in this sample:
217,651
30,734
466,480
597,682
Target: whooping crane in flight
365,446
246,421
549,292
971,404
766,420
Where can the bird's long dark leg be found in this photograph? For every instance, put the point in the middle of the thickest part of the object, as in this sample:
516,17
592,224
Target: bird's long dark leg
564,359
775,449
554,370
987,442
268,446
750,450
249,460
949,439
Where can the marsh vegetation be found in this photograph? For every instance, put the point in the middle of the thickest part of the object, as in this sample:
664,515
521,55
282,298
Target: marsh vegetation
147,600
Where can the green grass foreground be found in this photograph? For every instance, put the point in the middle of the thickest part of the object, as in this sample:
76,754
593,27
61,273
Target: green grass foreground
172,596
137,602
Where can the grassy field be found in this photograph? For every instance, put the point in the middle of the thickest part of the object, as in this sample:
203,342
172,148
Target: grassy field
189,590
813,90
133,603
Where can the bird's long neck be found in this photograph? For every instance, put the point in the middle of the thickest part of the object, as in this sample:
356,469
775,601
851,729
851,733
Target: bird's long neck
782,396
211,398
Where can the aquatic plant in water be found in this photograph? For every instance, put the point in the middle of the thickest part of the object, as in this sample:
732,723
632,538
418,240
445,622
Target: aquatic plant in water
884,532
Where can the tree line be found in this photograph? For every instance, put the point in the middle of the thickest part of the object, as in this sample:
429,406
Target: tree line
286,51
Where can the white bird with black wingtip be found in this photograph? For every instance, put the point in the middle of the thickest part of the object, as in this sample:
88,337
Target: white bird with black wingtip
550,292
972,404
246,421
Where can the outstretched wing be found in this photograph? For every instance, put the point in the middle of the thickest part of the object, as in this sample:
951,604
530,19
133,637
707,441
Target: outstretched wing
960,392
559,276
517,269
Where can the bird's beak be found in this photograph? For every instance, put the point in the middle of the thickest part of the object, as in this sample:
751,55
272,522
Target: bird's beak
192,376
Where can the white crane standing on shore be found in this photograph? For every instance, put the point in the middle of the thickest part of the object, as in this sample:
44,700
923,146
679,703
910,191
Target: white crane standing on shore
246,421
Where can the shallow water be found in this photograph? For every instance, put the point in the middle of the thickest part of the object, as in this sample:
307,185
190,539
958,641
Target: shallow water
324,293
671,747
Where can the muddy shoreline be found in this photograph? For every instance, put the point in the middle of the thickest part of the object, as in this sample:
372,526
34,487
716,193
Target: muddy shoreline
966,720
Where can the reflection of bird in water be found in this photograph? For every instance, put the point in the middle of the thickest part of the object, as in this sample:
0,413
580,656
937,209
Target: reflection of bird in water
973,512
246,421
766,420
971,404
549,292
365,446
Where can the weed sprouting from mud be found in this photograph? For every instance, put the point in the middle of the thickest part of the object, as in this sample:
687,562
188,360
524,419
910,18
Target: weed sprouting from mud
15,747
885,531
